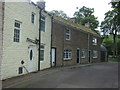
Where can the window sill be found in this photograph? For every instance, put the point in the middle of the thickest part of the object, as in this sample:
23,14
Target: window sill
67,39
67,59
94,57
83,57
42,61
94,44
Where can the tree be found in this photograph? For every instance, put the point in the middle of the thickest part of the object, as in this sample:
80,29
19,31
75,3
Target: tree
59,13
85,15
111,23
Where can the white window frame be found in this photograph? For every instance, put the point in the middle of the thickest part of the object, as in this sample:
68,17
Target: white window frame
95,54
42,49
16,30
83,53
68,34
33,18
67,55
43,20
94,41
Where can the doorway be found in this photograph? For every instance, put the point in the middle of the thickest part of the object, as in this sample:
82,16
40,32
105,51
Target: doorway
78,55
31,58
89,56
53,57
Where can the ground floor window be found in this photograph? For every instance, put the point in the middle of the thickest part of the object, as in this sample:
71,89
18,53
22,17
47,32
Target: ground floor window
42,50
20,70
83,53
67,54
95,54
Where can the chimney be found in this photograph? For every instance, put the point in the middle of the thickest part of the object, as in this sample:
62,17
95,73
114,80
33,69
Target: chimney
73,20
87,25
41,4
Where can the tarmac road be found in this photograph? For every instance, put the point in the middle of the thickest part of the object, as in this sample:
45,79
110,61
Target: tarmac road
104,75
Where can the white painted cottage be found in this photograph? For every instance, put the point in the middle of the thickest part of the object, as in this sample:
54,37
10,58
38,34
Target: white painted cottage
19,38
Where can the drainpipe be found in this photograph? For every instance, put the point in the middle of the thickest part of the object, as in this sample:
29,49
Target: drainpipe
39,39
88,46
51,41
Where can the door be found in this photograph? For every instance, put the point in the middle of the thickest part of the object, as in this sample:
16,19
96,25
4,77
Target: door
89,55
78,55
53,57
31,58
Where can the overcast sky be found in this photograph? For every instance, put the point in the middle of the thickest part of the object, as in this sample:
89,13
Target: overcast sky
69,6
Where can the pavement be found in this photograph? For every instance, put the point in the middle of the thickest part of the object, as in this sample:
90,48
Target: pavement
11,82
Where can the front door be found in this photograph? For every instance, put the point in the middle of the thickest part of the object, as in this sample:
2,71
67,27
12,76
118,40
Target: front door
89,55
53,57
31,58
78,55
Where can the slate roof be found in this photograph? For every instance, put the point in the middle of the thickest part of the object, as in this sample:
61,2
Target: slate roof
102,48
78,26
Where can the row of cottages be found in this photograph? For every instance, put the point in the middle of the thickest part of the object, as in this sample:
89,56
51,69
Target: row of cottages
31,40
73,43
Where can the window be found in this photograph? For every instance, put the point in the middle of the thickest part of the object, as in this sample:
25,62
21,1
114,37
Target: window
17,31
67,54
43,23
42,53
33,18
68,34
95,54
20,70
94,41
83,53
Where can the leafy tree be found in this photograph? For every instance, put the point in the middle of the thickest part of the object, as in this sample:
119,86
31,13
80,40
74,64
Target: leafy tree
85,15
107,42
111,23
59,13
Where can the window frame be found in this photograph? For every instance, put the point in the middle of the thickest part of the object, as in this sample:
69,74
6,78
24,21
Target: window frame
83,55
42,49
43,21
94,41
67,55
68,34
17,30
95,54
33,18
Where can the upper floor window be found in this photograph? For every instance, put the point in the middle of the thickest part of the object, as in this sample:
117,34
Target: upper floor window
95,54
33,18
94,41
68,34
43,23
67,54
17,26
42,50
83,53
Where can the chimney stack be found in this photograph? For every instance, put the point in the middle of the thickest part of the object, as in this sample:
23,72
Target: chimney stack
41,4
73,20
87,25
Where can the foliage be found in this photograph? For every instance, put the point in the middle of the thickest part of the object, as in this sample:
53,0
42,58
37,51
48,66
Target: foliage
59,13
108,43
85,15
113,59
111,24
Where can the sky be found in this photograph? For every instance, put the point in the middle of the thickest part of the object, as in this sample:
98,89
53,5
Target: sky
69,6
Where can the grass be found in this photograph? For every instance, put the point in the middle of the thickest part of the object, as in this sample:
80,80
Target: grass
113,59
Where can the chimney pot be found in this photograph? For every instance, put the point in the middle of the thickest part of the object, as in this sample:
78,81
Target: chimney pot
41,4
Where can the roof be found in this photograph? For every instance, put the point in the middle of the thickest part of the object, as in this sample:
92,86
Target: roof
103,48
78,26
